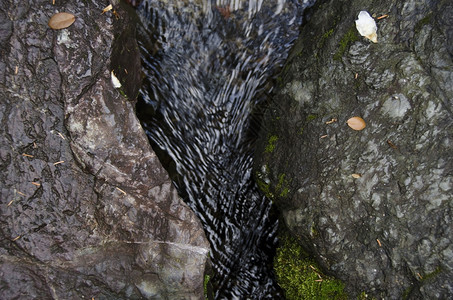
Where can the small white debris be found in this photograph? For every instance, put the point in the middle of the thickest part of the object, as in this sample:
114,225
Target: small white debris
366,26
115,81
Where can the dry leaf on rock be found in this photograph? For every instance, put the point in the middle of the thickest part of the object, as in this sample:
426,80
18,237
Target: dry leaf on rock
107,8
61,20
356,123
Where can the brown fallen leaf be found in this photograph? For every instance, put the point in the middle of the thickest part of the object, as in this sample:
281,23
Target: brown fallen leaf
391,144
356,175
61,20
356,123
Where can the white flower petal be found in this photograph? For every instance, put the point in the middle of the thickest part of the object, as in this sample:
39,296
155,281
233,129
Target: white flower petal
366,26
115,81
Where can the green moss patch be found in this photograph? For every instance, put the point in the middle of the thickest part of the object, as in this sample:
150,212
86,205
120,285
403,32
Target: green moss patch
205,284
282,186
271,143
300,277
350,37
311,117
322,41
426,20
264,187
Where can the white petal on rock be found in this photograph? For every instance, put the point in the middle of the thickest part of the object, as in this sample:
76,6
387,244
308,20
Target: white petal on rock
366,26
115,81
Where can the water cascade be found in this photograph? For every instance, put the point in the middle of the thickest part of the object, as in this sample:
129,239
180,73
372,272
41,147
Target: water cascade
207,65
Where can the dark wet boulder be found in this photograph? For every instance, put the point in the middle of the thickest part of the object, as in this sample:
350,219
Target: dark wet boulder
87,211
373,206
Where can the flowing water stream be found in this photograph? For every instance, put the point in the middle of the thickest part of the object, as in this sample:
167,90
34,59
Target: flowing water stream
208,64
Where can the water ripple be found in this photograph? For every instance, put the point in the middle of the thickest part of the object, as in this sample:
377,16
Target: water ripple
207,64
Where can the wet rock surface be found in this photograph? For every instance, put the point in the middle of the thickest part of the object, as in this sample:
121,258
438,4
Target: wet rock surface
86,208
385,231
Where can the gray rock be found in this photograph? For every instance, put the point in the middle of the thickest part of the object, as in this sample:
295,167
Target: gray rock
86,208
387,233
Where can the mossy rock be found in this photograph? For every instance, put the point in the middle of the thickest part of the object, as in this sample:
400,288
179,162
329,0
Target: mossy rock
299,275
350,37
